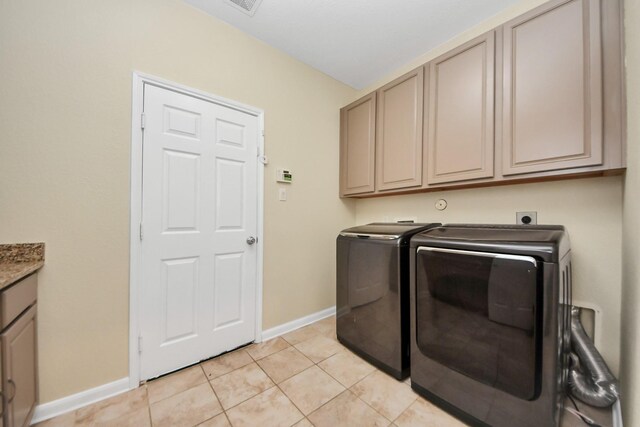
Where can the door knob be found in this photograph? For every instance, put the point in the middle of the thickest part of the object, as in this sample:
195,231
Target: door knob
251,240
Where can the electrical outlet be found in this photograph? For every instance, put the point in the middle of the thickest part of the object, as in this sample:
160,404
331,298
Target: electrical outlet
527,218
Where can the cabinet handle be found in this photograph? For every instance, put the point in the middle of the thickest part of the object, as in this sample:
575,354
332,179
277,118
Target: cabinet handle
14,391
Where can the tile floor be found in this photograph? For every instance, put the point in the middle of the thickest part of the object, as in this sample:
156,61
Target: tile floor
304,378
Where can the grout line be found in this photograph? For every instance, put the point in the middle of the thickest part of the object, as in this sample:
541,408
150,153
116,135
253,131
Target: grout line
404,410
227,417
367,403
287,396
266,373
271,340
148,404
329,401
292,402
232,370
251,397
216,395
322,370
374,409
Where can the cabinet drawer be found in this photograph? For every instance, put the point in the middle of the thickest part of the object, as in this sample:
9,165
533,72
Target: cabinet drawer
15,299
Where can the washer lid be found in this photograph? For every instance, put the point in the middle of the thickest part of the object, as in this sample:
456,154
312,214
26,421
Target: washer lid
548,242
387,230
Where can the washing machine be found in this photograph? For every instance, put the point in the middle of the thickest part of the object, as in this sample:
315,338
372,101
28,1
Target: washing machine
372,287
490,313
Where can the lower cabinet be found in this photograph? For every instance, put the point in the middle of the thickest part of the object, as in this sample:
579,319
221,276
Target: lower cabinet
18,353
19,381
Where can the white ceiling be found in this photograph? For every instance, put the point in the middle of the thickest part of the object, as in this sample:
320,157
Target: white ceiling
356,41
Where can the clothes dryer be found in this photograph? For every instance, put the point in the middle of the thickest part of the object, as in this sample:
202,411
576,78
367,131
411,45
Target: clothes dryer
490,312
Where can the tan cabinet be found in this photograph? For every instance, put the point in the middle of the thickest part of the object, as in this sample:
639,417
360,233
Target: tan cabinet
19,369
399,132
19,362
552,88
538,98
357,146
459,117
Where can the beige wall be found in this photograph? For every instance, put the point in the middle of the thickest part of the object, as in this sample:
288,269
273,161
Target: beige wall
65,121
591,209
630,364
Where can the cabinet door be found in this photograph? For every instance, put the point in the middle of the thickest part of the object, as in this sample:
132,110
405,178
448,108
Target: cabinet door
399,132
552,88
19,380
357,146
2,395
459,135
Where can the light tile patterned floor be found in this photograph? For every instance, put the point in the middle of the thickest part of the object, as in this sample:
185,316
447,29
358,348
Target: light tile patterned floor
304,378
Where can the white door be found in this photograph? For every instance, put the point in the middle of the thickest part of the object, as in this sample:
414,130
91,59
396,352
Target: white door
199,216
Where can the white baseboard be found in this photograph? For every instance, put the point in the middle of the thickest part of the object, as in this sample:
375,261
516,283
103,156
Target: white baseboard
84,398
78,400
298,323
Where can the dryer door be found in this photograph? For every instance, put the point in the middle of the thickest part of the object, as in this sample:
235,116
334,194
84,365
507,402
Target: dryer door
477,313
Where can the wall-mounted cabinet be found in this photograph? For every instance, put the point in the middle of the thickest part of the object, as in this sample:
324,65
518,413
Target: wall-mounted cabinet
459,115
538,98
357,150
399,132
552,88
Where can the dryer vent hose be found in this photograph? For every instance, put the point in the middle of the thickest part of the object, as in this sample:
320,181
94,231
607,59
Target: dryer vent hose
590,380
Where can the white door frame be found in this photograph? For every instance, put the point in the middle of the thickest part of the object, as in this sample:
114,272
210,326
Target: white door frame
139,80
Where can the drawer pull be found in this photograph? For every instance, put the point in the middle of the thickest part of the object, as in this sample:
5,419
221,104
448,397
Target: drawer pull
14,390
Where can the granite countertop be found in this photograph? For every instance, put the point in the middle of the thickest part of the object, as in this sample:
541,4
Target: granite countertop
18,261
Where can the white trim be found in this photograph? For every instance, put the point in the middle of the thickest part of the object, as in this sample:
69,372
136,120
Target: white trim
66,404
139,80
260,245
276,331
135,216
78,400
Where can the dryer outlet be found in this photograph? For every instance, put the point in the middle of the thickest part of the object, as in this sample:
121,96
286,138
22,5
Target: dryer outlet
527,218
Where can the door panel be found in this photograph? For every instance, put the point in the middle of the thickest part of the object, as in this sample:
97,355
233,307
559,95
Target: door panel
399,132
229,289
230,133
229,203
199,206
552,89
460,136
181,123
357,146
180,279
181,191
